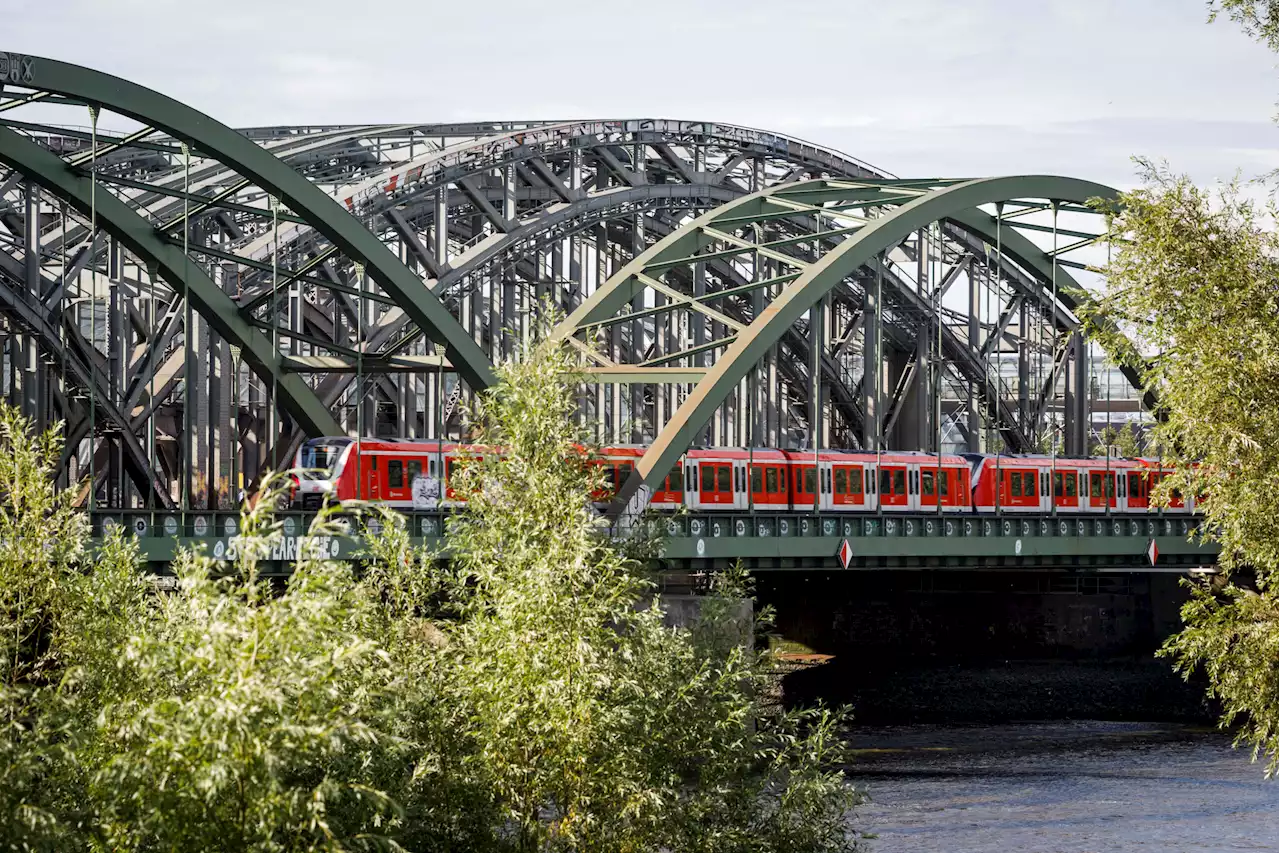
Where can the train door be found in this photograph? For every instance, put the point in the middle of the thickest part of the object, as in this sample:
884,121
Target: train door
893,487
1066,490
741,499
1137,496
397,489
1046,494
847,491
372,482
934,486
716,485
826,483
1102,490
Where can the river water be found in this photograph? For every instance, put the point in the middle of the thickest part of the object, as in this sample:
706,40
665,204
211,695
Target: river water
1070,787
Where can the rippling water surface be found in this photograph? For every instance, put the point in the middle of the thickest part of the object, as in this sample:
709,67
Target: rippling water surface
1061,788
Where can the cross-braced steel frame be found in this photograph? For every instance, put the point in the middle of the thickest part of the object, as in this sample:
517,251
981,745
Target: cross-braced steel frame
194,300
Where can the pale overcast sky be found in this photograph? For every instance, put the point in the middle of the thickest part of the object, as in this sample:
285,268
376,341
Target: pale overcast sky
918,88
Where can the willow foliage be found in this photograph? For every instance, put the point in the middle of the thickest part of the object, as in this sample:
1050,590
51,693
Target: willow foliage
523,695
1196,281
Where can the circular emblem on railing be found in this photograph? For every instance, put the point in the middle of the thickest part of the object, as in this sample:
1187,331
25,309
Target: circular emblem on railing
804,527
109,526
427,526
828,527
987,528
1079,528
1017,547
715,529
291,526
869,526
848,528
140,526
373,526
1008,528
1133,528
671,527
762,529
16,68
1097,528
928,527
1026,528
219,550
1062,528
951,528
889,526
740,527
783,527
229,526
911,528
1115,528
200,526
1044,528
702,548
1151,528
695,527
170,526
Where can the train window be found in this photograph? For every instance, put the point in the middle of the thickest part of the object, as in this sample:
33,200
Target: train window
1069,481
738,477
610,477
415,470
724,482
1111,487
899,482
1057,485
675,480
926,483
1015,484
757,479
1135,485
942,482
886,482
395,474
1095,485
841,482
448,470
708,478
810,481
770,480
869,476
855,482
1028,484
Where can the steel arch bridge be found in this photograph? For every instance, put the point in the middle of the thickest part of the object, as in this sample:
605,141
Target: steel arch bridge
193,300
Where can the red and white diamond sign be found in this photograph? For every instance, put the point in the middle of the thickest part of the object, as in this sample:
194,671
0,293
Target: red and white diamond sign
1152,552
845,554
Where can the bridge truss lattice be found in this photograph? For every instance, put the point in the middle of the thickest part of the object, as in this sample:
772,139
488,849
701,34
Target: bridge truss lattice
194,300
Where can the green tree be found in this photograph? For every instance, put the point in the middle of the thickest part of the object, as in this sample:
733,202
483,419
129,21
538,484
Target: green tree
1260,19
524,694
1196,281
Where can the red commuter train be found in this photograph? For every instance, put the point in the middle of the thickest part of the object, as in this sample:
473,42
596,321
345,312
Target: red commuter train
417,474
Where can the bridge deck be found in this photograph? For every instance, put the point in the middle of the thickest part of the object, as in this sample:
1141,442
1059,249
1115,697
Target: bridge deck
786,542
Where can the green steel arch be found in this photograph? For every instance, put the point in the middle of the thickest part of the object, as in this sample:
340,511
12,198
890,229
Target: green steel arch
53,174
271,174
919,206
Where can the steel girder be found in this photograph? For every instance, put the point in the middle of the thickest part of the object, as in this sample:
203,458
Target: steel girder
266,171
53,174
892,211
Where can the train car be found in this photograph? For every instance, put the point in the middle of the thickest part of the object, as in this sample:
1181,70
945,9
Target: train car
1038,484
618,462
887,482
401,474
